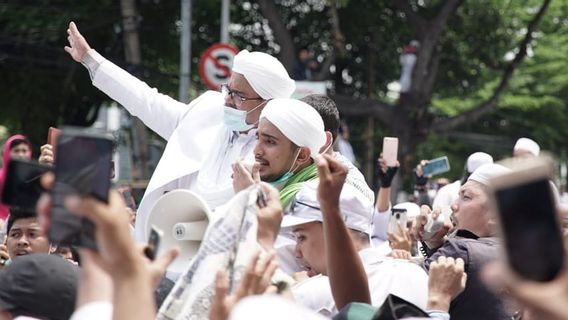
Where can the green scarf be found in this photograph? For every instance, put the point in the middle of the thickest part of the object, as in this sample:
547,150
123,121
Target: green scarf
295,183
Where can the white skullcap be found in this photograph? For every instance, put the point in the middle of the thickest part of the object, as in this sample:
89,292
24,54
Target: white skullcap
488,171
265,74
297,121
528,145
475,160
356,209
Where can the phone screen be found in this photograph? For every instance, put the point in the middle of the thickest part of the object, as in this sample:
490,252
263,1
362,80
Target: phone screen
22,186
390,150
435,166
398,216
532,235
83,168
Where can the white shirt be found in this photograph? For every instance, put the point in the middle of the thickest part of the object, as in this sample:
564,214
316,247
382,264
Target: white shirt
200,148
385,275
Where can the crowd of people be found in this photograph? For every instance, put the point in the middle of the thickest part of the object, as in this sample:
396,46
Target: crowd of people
297,232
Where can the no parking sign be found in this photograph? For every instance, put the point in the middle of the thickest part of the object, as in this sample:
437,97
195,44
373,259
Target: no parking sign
215,65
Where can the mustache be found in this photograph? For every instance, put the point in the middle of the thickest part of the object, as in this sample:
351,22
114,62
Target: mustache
260,160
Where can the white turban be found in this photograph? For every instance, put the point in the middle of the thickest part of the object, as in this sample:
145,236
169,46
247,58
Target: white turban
298,121
487,172
475,160
266,75
528,145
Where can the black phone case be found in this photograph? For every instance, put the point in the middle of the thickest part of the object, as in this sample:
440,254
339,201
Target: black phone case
82,168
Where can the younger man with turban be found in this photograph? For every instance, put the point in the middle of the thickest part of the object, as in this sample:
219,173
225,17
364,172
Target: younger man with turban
290,135
206,136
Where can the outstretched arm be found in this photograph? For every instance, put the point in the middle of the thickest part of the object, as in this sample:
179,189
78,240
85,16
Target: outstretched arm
347,276
159,112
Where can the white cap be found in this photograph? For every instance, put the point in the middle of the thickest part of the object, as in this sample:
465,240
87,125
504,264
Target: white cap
356,209
297,121
475,160
488,171
265,74
412,209
528,145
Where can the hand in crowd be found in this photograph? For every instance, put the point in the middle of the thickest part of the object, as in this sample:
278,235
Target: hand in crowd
244,177
446,281
401,240
386,173
46,154
269,216
332,175
78,46
437,239
546,300
421,180
256,279
400,254
3,255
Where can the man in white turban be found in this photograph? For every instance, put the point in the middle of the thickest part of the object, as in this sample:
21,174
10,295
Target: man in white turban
473,241
448,194
206,136
290,134
525,147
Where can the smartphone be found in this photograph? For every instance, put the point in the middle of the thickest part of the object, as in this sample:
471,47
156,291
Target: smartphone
82,168
436,166
22,187
52,135
398,216
529,225
390,150
153,243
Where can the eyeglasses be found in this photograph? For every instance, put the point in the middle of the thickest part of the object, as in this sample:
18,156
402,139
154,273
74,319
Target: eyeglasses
237,98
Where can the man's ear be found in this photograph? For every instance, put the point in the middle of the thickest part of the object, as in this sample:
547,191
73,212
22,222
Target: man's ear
328,142
304,156
52,248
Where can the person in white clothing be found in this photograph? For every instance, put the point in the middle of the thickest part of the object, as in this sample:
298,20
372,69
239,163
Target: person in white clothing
205,137
448,194
385,275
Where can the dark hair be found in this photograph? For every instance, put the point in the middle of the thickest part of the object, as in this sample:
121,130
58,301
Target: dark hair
17,142
327,109
17,213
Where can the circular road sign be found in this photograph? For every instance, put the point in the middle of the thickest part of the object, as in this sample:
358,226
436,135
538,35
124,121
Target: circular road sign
215,65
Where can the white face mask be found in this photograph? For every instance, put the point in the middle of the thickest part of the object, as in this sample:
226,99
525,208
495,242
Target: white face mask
235,119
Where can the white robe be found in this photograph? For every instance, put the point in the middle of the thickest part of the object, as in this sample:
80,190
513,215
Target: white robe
200,148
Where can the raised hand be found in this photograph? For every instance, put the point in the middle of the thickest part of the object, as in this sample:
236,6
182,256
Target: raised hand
78,46
46,154
446,280
269,216
255,280
243,177
332,175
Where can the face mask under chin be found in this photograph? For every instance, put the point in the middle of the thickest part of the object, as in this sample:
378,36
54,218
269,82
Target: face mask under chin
280,182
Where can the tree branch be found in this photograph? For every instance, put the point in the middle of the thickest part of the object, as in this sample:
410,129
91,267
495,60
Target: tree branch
281,33
416,22
483,108
349,106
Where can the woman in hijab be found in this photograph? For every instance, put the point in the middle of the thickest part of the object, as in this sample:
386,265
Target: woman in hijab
17,146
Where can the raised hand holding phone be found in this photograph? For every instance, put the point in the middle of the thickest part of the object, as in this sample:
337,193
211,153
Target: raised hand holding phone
390,150
533,242
83,168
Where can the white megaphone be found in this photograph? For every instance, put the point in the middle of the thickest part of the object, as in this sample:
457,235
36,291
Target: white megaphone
183,217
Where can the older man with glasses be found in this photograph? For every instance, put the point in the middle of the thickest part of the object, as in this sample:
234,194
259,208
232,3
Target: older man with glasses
205,137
